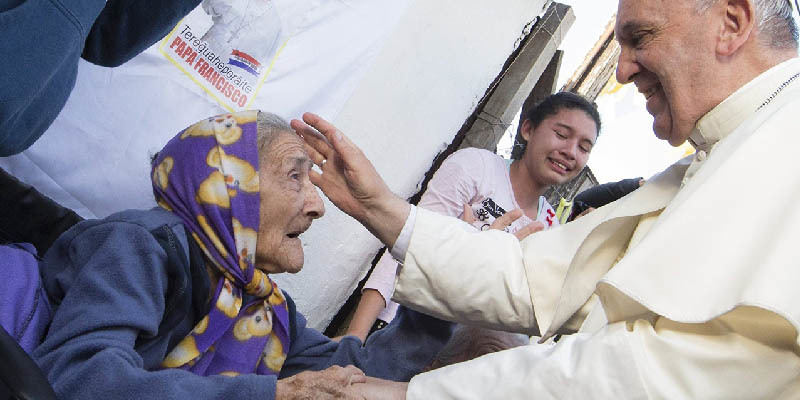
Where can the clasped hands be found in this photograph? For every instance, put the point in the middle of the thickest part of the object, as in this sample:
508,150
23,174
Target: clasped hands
505,220
351,182
336,382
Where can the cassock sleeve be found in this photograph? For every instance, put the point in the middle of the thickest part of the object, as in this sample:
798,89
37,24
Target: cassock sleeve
747,353
456,183
458,280
726,358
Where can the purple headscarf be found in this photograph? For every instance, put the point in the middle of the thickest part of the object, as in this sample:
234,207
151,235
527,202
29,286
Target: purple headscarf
208,176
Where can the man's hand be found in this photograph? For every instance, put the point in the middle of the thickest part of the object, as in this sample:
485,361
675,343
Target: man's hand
505,220
333,383
380,389
350,180
584,212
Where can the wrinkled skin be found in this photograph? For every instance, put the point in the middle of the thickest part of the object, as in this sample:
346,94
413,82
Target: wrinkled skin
667,51
289,204
332,383
350,180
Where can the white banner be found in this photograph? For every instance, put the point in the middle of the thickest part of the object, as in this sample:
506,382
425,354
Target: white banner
228,48
282,56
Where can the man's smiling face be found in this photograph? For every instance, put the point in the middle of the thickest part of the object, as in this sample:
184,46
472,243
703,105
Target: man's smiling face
667,52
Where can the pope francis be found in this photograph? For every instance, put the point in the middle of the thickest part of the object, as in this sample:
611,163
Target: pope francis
681,290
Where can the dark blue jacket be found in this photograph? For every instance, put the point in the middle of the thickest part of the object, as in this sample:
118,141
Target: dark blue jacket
42,40
126,289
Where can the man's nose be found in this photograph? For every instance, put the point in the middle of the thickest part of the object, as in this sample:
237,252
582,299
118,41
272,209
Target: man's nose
627,67
313,206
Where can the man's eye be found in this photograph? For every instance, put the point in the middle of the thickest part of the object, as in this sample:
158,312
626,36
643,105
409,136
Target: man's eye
585,149
561,135
638,38
295,176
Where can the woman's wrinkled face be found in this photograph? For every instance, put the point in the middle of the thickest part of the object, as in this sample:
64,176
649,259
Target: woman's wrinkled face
289,203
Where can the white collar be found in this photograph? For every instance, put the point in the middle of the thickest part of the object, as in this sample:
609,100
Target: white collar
743,103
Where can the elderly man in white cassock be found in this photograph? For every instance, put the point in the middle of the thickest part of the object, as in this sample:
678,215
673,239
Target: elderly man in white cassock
684,289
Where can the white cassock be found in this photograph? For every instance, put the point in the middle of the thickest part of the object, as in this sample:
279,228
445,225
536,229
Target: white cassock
697,274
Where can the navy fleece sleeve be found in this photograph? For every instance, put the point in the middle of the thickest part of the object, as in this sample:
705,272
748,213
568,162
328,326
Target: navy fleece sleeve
125,28
111,282
396,352
41,43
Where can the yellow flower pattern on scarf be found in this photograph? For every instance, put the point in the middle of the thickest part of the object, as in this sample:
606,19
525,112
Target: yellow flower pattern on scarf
227,302
274,355
238,173
245,243
212,235
184,352
161,172
224,127
208,176
257,324
214,191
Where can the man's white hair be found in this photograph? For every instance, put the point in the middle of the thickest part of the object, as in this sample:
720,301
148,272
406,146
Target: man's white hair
774,22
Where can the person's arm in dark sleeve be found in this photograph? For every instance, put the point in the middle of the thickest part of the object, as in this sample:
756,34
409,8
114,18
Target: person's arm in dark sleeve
30,217
126,28
396,352
41,43
109,284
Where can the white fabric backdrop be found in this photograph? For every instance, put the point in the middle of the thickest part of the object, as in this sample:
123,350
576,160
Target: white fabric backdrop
95,156
399,77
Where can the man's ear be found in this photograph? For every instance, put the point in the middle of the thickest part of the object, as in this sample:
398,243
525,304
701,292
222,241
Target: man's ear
739,19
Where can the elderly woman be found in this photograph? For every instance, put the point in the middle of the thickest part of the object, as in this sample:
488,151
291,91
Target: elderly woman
176,302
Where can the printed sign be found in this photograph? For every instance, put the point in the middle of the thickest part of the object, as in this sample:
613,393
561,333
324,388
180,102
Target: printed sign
231,57
306,55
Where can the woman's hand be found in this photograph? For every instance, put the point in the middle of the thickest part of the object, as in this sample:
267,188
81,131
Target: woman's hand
505,220
584,212
350,180
332,383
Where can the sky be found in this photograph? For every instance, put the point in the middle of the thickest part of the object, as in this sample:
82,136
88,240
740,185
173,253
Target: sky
626,147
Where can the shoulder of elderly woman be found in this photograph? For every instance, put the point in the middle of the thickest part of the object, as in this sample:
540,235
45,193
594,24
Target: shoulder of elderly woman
138,258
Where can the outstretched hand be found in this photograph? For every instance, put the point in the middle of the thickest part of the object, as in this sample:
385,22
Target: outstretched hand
350,180
505,220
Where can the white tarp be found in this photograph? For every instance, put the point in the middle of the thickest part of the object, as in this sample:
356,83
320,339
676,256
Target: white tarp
95,156
399,77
